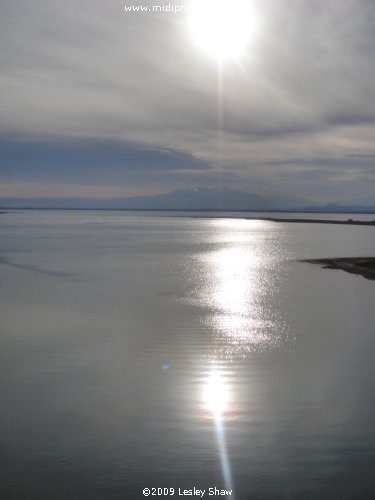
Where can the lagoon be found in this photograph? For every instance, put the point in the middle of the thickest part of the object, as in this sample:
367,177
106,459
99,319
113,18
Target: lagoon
150,350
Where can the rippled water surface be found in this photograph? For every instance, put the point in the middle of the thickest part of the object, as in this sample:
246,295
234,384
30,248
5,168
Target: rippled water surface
145,350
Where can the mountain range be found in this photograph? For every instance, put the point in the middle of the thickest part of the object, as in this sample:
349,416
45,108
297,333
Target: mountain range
198,198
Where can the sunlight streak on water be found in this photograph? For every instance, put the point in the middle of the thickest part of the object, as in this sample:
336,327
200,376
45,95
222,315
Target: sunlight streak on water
239,286
216,394
216,397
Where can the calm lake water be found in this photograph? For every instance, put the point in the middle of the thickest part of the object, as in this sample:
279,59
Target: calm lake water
144,350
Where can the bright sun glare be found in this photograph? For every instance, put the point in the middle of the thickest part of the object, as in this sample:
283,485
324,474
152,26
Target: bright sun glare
221,27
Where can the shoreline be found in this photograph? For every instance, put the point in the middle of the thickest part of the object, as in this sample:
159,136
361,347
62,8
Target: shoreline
208,214
360,266
348,222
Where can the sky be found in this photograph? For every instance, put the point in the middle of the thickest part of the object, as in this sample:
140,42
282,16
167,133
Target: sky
97,102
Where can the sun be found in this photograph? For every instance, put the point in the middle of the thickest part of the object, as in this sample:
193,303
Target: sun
221,28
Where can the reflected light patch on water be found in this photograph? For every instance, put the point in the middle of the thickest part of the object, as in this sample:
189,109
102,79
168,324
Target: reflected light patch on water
216,394
216,398
237,286
238,224
233,285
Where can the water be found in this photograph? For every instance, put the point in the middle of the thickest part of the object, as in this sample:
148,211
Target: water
148,350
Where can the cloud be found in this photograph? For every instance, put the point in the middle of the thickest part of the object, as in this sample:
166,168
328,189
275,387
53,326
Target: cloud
135,94
79,158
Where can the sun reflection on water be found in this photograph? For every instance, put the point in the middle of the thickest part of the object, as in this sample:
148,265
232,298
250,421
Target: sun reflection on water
216,398
239,285
234,286
216,394
238,289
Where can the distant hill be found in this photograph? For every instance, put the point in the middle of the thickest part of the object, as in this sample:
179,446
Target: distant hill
199,198
368,201
202,198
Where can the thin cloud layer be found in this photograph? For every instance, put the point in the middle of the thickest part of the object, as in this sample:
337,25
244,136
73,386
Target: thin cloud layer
296,113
